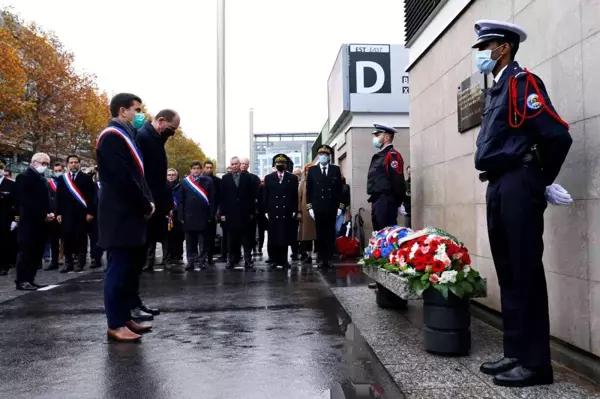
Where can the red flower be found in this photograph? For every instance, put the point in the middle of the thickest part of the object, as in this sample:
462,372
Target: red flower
377,253
434,278
438,266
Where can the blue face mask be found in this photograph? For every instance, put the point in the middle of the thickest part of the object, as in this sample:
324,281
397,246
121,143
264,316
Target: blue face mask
139,120
323,159
485,63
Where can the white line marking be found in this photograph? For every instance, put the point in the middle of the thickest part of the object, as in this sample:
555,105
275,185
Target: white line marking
48,288
158,270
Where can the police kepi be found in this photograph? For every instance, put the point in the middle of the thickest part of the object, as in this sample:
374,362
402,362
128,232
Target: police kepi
385,180
520,150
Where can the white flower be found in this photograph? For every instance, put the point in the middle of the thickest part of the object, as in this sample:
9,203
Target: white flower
449,276
413,250
466,270
410,271
442,256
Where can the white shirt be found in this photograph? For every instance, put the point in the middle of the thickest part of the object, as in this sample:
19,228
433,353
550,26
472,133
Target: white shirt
497,77
326,166
1,179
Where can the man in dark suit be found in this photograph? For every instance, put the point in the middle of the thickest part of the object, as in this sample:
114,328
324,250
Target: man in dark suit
54,227
125,204
7,220
195,209
238,209
211,228
151,139
32,199
324,201
173,245
75,210
281,204
245,168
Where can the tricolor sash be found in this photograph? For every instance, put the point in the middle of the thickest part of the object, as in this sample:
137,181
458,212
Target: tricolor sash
52,184
135,152
74,190
197,188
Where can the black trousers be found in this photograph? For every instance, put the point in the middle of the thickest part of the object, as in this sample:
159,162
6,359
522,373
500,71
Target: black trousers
279,254
225,240
295,246
515,215
194,247
209,235
384,212
174,244
54,238
6,248
121,284
95,250
261,236
237,239
29,257
325,226
75,245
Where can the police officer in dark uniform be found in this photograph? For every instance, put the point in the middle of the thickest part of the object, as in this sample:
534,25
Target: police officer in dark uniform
324,201
385,180
280,203
7,220
520,150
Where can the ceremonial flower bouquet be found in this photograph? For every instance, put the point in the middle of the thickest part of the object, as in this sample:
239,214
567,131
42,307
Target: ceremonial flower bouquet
427,258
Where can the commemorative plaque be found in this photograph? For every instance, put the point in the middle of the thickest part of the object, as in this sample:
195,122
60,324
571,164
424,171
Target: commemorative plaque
470,98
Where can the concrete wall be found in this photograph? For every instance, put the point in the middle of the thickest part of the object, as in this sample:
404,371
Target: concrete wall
358,150
563,48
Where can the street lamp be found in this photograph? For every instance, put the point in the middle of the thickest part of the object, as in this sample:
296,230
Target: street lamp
221,162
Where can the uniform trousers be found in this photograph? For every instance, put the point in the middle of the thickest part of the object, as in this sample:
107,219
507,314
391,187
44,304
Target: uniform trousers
279,254
325,226
515,216
384,212
75,244
194,246
29,258
121,283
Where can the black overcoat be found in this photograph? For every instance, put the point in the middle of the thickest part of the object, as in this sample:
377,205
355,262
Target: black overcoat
237,203
280,201
32,199
193,210
73,213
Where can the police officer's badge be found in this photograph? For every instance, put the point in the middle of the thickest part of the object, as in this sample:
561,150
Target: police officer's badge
533,102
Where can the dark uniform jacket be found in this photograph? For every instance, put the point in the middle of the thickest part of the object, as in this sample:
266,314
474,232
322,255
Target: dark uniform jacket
217,188
72,211
193,211
124,197
237,204
501,147
324,193
386,177
7,210
280,201
152,146
256,187
33,203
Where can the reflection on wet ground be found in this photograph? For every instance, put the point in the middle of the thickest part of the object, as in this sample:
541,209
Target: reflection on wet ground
222,334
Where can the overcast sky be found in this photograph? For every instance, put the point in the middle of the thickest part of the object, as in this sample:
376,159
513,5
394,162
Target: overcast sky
279,55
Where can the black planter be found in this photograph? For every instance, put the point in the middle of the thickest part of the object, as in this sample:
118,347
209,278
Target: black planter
386,299
447,324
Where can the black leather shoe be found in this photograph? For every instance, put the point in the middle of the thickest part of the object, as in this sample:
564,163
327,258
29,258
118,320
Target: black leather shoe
499,366
190,267
148,269
152,311
36,285
520,376
25,287
230,266
3,272
248,266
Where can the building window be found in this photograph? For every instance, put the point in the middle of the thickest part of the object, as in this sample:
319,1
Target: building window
416,14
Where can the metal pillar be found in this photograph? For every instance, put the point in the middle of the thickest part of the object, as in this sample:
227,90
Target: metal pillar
221,140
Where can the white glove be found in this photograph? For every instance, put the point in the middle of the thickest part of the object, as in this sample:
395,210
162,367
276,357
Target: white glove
13,226
339,212
267,216
557,195
311,213
401,210
293,214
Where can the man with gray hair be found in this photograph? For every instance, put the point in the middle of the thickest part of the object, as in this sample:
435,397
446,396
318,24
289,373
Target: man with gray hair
252,236
32,203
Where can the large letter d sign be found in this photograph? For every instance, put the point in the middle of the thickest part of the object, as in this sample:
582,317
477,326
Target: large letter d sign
360,77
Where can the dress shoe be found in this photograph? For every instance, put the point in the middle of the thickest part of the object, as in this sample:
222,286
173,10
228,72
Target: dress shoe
520,376
152,311
96,264
230,266
139,314
36,285
499,366
374,285
248,266
190,267
210,262
148,269
78,269
123,334
138,327
25,287
3,272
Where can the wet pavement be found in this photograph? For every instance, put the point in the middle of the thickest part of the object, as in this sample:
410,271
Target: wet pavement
222,334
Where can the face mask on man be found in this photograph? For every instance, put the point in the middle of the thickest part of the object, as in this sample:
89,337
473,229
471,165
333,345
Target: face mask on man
57,174
485,63
168,132
41,169
323,159
138,120
377,142
280,168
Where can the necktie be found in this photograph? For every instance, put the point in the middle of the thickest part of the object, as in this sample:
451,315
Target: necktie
324,170
73,176
280,177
